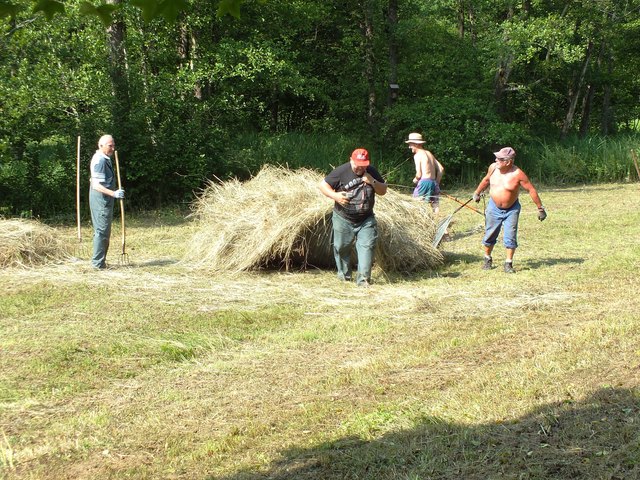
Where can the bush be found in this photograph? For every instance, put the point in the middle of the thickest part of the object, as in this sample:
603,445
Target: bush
460,133
40,183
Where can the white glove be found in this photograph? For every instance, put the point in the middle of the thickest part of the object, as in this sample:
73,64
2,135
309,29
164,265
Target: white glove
118,193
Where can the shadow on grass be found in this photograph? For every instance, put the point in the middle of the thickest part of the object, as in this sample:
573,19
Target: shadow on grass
597,438
476,231
451,258
160,262
545,262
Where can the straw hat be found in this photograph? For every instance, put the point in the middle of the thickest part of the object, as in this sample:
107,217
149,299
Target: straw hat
415,138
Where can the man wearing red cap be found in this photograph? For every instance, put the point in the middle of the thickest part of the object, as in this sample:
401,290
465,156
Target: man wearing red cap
504,180
353,186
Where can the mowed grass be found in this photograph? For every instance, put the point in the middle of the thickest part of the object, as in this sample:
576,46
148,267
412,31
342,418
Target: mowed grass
159,371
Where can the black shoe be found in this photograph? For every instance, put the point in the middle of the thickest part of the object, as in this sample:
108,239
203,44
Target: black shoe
508,267
488,263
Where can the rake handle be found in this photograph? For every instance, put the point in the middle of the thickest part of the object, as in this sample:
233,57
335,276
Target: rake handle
124,235
451,197
462,205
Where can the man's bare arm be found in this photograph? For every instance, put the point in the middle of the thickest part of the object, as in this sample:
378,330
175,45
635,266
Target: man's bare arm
484,183
528,186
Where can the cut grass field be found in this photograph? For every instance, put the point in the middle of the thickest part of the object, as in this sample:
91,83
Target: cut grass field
158,371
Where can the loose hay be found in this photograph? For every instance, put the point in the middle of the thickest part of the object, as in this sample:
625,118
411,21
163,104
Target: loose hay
28,243
280,219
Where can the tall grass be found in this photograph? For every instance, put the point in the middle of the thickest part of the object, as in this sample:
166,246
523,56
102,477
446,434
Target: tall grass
572,161
315,151
294,150
592,160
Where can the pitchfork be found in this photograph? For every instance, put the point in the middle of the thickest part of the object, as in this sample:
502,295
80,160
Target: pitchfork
124,257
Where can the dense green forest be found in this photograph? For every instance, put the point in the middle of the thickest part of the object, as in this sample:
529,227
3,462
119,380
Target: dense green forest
191,94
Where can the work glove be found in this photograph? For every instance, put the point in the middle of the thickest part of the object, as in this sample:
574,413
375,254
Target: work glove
542,214
118,193
476,197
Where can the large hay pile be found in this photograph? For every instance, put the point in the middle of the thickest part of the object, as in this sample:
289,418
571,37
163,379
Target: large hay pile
27,243
279,219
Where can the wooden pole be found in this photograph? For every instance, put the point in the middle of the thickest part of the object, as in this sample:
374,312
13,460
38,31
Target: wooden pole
451,197
78,191
635,162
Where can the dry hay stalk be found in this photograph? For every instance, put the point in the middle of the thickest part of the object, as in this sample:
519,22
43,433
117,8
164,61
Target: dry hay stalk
280,218
27,243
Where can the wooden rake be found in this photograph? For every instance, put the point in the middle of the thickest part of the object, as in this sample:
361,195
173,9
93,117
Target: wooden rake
444,224
124,257
80,248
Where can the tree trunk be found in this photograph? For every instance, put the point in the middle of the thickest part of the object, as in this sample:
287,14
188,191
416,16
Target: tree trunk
585,117
187,45
472,24
369,64
607,124
500,81
574,93
118,70
501,78
392,23
587,101
461,18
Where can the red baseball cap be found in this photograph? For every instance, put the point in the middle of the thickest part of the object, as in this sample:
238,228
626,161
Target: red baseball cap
360,157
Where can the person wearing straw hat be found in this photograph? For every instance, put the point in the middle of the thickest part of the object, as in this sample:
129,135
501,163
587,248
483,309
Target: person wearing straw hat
353,187
504,180
428,172
102,193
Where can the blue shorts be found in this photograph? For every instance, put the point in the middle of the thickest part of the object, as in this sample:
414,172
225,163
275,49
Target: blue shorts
428,190
495,218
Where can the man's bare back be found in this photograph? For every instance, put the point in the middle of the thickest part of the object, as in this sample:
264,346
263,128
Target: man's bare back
427,166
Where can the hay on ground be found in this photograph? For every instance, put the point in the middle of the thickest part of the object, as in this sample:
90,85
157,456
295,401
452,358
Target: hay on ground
28,243
280,219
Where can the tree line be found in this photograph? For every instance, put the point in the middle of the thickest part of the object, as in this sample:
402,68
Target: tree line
190,93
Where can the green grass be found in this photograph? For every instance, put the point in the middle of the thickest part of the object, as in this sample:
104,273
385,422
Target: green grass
158,371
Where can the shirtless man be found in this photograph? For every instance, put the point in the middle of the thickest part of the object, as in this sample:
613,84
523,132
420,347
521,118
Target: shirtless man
428,172
504,180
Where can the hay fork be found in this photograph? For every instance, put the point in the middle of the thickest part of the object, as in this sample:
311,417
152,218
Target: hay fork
124,257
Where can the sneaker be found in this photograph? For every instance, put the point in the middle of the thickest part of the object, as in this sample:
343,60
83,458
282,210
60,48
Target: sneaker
508,267
488,263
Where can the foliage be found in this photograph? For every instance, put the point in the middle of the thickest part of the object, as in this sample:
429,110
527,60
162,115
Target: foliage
149,9
190,92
